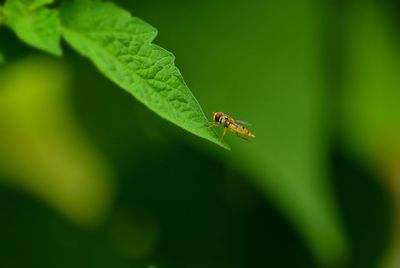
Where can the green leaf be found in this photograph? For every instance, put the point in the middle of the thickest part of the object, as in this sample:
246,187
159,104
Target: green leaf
39,3
371,100
371,111
1,58
43,150
120,46
34,24
2,18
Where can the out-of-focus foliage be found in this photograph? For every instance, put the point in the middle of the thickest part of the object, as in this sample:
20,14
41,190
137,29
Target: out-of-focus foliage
41,148
318,187
289,162
371,100
2,59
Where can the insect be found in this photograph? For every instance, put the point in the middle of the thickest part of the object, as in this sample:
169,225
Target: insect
233,125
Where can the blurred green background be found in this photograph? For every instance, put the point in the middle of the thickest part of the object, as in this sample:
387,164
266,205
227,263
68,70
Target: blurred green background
89,177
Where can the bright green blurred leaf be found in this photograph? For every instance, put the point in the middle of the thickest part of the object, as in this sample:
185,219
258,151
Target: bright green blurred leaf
371,110
120,46
38,3
34,24
42,149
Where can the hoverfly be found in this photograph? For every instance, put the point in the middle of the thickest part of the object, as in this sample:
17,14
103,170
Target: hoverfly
233,125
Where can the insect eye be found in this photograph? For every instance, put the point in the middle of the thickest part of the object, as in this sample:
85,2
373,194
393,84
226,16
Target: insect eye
217,116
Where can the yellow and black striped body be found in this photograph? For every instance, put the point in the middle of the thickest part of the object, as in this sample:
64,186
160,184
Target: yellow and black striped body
236,128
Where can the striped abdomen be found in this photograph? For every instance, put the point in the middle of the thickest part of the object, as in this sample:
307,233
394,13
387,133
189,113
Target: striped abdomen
234,127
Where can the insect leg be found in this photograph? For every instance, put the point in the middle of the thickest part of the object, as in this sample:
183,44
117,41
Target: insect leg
223,134
211,124
240,136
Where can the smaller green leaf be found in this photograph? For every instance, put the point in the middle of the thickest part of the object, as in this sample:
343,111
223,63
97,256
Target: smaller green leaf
2,18
43,151
121,48
2,60
34,24
39,3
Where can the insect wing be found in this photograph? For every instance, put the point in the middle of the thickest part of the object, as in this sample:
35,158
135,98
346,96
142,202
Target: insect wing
243,122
